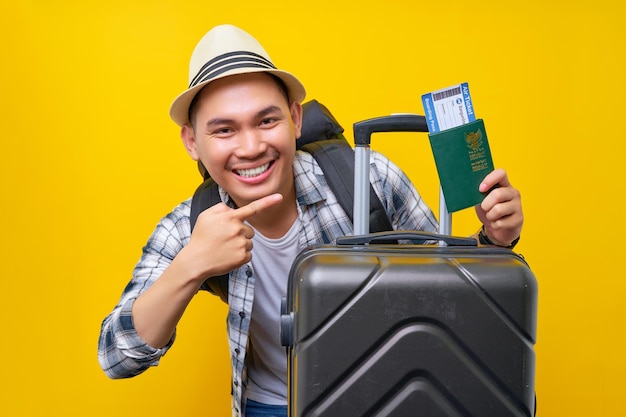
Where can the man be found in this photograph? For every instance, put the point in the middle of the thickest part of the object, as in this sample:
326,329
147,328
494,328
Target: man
240,117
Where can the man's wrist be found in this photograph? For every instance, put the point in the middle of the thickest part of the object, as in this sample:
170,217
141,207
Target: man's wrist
484,240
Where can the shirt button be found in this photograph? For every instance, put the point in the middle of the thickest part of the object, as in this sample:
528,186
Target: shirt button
237,351
248,272
236,383
242,314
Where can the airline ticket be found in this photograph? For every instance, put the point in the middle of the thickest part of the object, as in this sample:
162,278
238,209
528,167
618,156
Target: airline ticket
448,107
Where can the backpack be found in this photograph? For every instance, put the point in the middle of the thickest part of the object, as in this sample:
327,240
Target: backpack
322,137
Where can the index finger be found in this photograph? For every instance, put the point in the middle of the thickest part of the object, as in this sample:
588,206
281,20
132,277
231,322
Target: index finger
258,206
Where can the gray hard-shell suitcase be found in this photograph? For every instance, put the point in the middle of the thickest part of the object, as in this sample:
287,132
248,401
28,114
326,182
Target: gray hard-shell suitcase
444,329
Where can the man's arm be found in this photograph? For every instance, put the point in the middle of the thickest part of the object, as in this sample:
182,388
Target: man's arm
220,242
121,352
142,326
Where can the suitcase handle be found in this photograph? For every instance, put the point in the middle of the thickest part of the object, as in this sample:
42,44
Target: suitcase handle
394,123
363,130
414,236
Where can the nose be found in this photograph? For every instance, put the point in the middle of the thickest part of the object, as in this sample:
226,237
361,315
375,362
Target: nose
250,144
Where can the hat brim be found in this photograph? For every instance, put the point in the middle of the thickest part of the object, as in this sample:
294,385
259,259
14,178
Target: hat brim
179,110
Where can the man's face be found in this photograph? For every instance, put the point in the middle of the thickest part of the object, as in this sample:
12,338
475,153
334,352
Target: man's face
244,135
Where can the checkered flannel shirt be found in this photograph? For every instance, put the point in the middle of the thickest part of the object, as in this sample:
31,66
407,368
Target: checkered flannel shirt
121,351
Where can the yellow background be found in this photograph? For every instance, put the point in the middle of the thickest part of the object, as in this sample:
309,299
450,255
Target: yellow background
90,161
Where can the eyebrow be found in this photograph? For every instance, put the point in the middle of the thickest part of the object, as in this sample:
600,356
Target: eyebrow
259,115
268,110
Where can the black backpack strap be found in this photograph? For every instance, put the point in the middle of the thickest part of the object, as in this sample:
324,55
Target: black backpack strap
322,137
207,195
336,158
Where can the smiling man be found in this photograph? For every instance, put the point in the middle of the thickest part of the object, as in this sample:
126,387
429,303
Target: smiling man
244,131
240,117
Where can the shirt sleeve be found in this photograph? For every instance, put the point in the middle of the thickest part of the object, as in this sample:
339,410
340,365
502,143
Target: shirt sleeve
403,203
121,352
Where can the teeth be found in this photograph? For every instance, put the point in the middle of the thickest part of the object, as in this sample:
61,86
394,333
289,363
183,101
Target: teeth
254,171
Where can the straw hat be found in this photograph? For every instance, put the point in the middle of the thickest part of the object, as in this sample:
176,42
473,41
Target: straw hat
227,50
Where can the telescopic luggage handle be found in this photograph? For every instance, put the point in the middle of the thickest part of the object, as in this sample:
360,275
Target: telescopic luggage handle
362,136
393,123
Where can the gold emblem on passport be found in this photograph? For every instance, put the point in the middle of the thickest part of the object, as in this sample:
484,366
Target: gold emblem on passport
474,140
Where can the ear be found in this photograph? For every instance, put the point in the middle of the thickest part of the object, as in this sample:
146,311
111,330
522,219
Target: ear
187,134
296,116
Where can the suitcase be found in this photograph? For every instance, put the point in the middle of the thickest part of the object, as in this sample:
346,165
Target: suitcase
419,329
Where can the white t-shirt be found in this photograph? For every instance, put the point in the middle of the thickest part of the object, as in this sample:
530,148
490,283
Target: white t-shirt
267,358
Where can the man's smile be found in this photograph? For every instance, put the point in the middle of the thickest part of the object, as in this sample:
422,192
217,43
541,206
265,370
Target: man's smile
253,172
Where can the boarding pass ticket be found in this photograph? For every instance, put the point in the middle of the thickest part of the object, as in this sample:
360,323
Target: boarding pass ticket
448,107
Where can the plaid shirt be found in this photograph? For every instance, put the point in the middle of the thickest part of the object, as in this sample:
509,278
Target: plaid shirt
121,351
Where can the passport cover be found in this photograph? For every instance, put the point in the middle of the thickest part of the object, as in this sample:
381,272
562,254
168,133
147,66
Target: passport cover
463,160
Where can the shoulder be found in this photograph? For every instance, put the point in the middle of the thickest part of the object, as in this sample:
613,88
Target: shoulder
304,162
173,230
385,174
179,214
384,164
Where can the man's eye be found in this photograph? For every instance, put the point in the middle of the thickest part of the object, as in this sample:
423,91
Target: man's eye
268,121
222,132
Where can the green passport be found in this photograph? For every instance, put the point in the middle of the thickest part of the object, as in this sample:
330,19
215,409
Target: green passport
463,159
